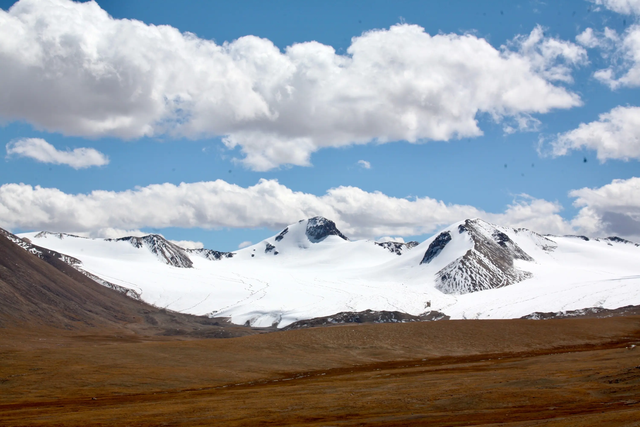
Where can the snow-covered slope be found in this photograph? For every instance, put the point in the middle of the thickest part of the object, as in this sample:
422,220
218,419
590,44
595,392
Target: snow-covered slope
471,269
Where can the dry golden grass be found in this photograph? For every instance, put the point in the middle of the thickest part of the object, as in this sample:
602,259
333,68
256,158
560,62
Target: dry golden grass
572,372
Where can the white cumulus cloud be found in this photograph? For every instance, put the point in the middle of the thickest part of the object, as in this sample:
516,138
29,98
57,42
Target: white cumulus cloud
613,209
626,7
615,135
622,50
70,67
41,151
588,38
605,40
217,204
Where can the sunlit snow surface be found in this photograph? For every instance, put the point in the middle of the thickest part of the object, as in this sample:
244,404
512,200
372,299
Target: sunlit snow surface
305,280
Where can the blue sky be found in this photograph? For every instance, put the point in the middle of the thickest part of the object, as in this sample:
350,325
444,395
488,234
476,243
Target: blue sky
402,118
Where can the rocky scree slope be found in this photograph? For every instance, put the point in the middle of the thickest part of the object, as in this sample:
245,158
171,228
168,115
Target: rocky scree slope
488,264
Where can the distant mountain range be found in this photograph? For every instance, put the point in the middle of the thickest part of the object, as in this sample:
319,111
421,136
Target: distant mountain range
471,269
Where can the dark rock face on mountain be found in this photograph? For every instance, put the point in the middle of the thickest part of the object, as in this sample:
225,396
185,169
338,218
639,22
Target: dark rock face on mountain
436,247
210,254
41,252
319,228
282,234
397,248
506,243
593,312
585,238
617,239
367,316
488,265
166,251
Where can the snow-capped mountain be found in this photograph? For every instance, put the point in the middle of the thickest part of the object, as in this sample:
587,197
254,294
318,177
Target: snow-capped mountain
167,252
306,234
488,264
310,269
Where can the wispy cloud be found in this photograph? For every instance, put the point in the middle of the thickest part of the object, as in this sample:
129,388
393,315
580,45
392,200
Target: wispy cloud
365,164
41,151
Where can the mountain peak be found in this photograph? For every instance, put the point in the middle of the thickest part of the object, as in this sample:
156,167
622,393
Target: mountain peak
319,228
167,252
45,234
488,264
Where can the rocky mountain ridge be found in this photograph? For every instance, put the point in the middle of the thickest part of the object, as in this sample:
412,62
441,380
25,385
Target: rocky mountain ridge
167,252
310,269
397,248
489,263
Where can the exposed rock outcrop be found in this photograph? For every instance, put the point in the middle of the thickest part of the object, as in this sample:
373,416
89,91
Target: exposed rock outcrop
397,248
319,228
167,252
488,264
210,254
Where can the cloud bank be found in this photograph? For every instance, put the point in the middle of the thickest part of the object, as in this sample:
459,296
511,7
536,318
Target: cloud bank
611,209
615,135
41,151
71,68
626,7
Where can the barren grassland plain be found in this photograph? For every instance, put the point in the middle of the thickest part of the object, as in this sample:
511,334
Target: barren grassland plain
564,372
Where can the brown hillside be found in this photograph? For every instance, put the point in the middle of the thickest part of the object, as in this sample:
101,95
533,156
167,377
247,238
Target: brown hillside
45,292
